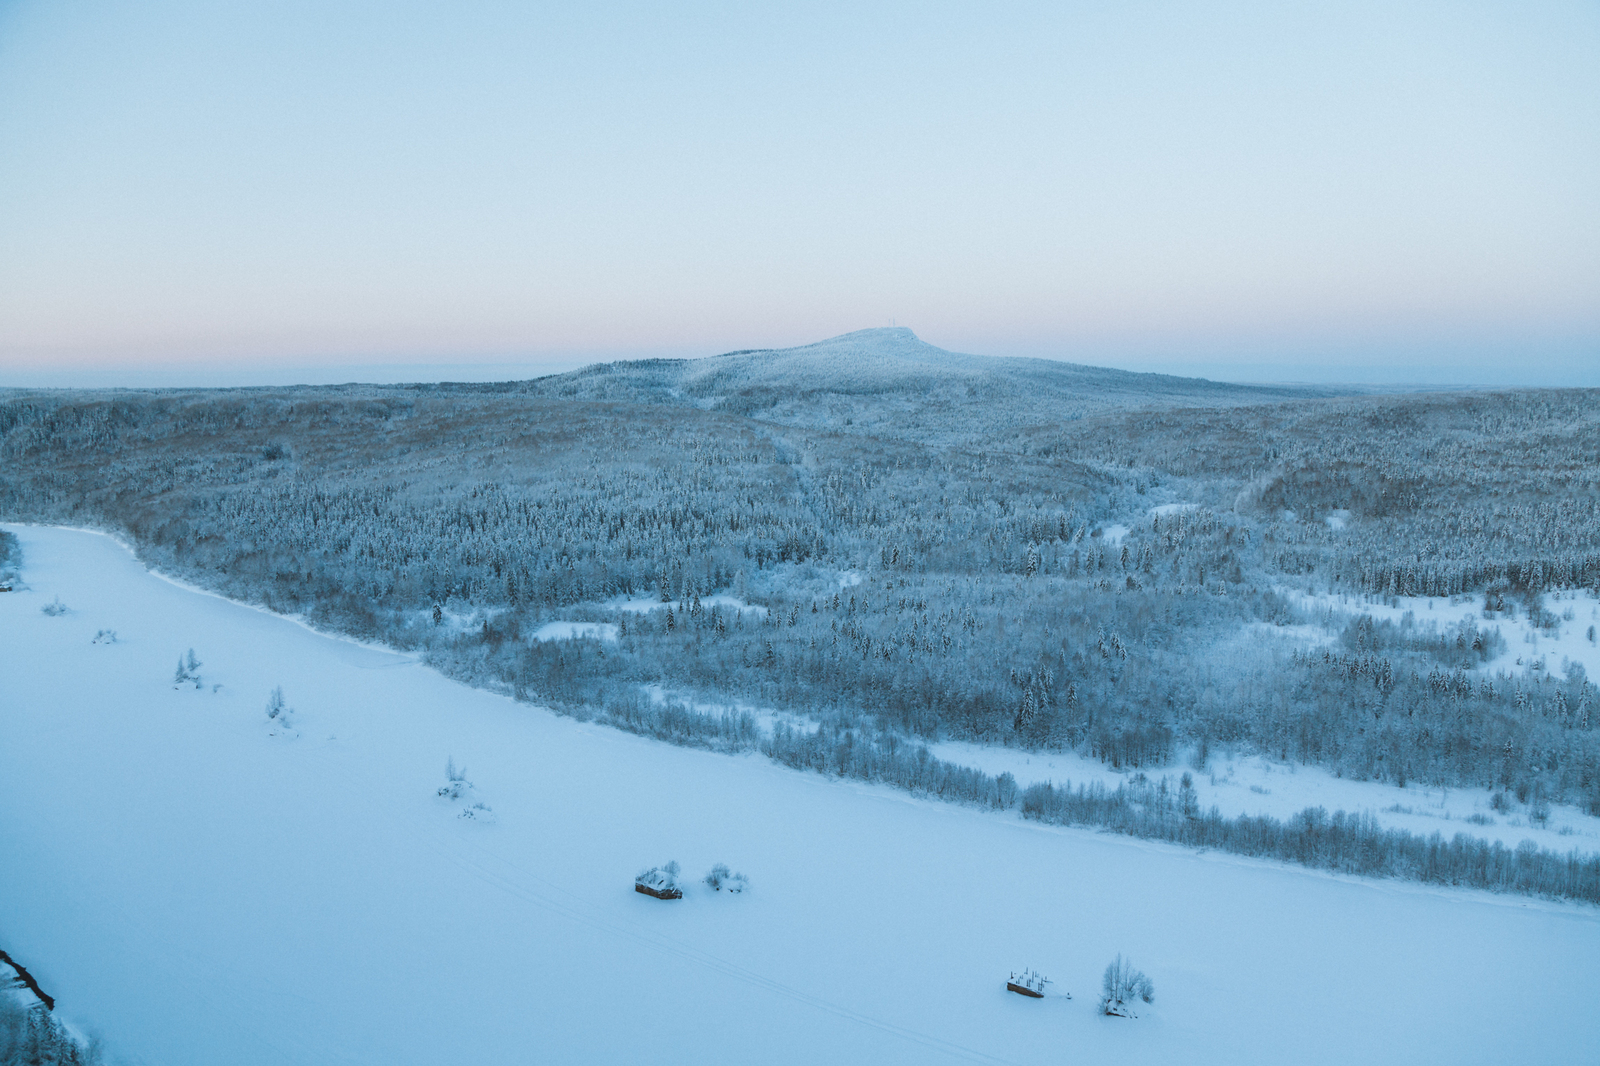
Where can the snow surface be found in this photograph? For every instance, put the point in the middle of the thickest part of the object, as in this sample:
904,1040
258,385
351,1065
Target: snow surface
1243,784
1115,533
646,604
1527,646
1173,508
201,892
1256,785
571,630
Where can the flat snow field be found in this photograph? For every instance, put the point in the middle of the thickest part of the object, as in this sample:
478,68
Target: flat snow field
202,888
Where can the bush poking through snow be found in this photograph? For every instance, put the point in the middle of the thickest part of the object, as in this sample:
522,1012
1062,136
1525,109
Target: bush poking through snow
278,711
1122,987
104,636
723,880
457,787
660,882
55,608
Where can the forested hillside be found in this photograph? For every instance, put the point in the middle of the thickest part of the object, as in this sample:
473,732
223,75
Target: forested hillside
1033,554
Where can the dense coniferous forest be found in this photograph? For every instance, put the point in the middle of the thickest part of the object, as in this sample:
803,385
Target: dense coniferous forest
896,542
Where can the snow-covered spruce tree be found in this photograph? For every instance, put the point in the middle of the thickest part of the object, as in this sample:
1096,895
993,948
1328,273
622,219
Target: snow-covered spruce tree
32,1035
1188,800
661,881
1121,987
188,672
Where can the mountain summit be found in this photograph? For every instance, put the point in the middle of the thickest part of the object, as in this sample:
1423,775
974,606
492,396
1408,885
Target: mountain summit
889,382
885,347
866,360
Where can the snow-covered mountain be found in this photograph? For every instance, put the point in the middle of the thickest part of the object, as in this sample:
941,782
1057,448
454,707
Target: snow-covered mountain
889,382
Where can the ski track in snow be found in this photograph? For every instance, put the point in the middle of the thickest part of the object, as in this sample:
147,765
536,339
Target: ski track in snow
202,892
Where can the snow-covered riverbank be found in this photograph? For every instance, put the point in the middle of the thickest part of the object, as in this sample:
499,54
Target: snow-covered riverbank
206,887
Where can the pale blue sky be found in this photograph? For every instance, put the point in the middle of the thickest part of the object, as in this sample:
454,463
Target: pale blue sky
1373,191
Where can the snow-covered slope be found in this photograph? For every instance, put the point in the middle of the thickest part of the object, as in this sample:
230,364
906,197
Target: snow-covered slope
1529,649
890,382
204,887
1236,783
865,359
869,359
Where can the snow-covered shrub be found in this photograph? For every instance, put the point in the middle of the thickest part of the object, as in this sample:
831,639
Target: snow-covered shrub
723,880
104,636
1122,987
278,711
660,880
456,785
55,608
